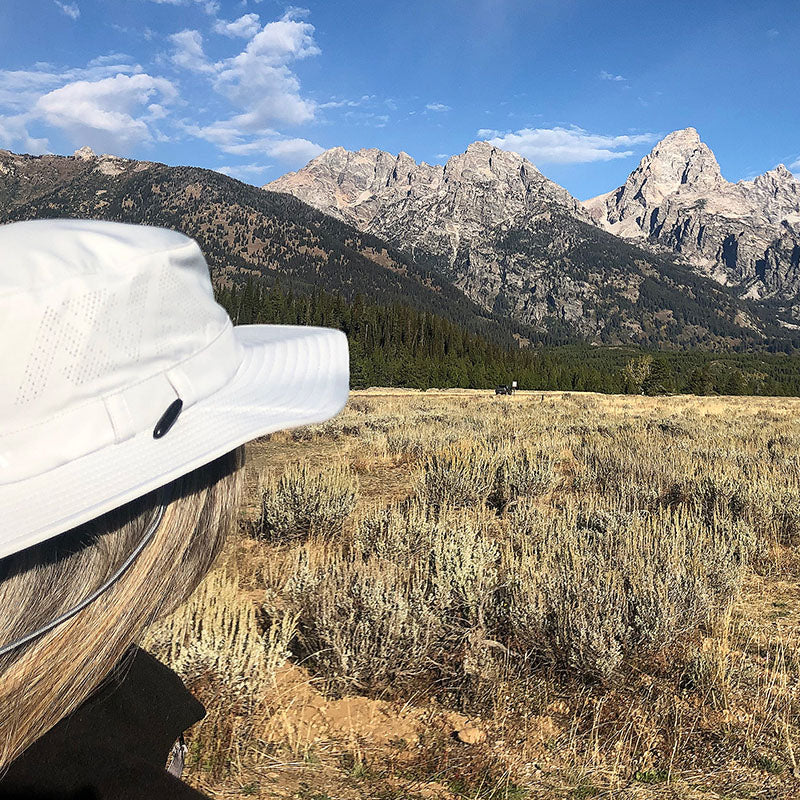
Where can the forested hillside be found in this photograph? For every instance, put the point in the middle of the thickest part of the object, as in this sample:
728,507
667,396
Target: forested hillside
396,345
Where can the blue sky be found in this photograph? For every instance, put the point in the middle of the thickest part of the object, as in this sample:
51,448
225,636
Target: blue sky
255,87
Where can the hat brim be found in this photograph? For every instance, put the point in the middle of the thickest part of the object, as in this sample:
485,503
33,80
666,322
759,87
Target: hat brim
289,376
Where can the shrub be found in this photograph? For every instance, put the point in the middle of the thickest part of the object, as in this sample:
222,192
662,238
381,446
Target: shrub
305,500
523,471
461,475
415,442
784,515
398,601
215,643
711,497
587,592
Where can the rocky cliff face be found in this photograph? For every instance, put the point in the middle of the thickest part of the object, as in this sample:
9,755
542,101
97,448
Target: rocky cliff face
459,213
435,208
743,234
520,245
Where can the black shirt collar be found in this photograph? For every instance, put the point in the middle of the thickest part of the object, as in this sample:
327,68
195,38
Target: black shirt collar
115,746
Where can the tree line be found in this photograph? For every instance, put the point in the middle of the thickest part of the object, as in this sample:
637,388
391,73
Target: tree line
397,345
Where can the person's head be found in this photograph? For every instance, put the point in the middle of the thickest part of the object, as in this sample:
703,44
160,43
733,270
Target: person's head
128,397
48,678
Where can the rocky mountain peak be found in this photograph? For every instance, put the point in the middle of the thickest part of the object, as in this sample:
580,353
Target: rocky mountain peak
677,198
480,149
684,137
679,160
776,178
412,204
782,172
681,163
84,153
484,162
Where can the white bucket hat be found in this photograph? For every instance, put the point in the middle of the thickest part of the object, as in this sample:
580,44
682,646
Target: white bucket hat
120,373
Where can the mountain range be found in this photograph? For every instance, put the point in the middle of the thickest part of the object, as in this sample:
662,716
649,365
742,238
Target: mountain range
245,232
514,241
677,257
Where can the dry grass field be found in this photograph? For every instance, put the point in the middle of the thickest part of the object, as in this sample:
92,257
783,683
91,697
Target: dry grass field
457,595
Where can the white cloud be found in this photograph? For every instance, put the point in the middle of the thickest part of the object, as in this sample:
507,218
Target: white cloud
610,76
274,145
243,172
795,164
70,9
293,153
189,53
260,83
211,7
117,59
14,132
437,107
112,105
113,114
294,12
333,103
567,145
294,150
245,27
20,89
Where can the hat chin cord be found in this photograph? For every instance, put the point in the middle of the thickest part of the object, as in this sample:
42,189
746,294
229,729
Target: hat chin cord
158,516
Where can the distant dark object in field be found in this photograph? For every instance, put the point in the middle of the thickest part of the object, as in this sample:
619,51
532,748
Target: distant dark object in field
505,389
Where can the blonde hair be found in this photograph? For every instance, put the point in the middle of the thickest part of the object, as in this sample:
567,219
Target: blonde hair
49,678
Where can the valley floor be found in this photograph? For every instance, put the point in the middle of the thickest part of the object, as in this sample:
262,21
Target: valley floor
448,594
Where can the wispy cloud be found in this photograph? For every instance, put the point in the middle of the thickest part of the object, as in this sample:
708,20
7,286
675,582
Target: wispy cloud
566,145
211,7
610,76
344,103
70,9
188,52
437,107
245,27
244,172
293,150
14,132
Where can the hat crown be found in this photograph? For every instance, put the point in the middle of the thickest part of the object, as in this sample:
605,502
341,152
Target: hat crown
87,310
40,254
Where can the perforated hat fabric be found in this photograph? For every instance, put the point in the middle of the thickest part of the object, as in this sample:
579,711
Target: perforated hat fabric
102,327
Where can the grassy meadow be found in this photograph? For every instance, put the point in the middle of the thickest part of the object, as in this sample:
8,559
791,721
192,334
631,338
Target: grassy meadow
550,595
